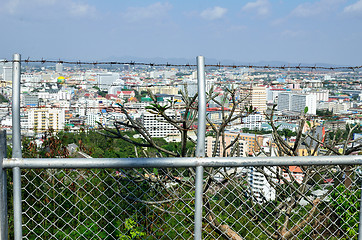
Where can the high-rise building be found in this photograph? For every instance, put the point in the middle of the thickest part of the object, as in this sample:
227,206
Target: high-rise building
105,80
7,72
321,95
254,96
59,67
297,102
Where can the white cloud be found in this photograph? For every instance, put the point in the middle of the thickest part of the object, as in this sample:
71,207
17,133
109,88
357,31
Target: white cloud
354,8
262,7
316,8
11,7
213,13
153,11
81,9
70,7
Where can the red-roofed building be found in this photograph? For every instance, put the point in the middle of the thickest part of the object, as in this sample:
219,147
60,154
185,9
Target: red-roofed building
294,171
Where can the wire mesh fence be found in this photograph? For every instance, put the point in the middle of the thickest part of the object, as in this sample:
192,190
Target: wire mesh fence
290,202
285,202
107,204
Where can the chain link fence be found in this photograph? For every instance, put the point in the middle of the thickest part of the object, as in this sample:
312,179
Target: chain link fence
278,202
107,204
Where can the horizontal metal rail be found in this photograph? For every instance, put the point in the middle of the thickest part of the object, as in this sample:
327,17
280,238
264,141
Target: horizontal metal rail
179,162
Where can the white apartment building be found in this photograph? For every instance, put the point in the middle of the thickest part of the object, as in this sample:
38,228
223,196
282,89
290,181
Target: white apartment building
105,80
253,121
297,102
30,80
283,101
60,95
321,95
92,119
336,107
157,126
44,118
162,74
260,188
59,67
7,71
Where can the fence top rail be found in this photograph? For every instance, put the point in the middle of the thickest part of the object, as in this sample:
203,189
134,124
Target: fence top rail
178,162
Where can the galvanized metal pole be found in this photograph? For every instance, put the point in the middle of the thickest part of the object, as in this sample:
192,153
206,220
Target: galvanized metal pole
16,147
177,162
200,147
3,189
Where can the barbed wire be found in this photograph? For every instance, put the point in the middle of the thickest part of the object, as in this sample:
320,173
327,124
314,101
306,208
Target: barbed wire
187,65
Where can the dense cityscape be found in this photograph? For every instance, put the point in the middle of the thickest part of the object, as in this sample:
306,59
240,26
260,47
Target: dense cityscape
74,97
60,102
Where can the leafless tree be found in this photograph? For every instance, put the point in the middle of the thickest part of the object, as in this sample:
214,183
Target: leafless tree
282,179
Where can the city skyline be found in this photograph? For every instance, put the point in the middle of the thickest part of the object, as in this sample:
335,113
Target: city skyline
324,31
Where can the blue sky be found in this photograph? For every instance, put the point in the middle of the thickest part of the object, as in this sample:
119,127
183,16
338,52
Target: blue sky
323,31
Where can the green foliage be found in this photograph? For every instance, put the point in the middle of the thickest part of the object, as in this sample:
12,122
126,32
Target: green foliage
102,93
305,110
324,113
144,93
137,95
176,146
287,133
3,99
250,109
88,231
80,204
345,203
156,108
131,230
99,146
256,131
96,87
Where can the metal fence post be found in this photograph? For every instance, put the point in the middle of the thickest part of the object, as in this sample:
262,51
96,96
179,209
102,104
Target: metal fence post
16,147
200,147
3,189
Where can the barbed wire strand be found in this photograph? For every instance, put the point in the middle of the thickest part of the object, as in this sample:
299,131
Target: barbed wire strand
131,63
